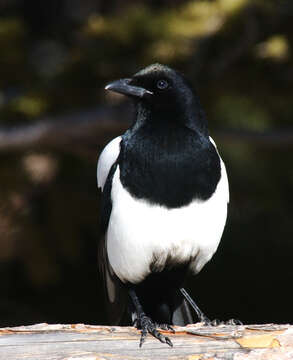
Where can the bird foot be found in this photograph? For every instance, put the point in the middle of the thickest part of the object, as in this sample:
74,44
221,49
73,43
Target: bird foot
217,322
146,325
166,327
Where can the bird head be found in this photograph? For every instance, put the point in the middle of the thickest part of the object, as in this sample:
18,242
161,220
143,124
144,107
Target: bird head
163,91
157,84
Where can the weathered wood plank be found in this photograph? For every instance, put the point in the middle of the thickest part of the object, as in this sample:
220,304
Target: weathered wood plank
85,342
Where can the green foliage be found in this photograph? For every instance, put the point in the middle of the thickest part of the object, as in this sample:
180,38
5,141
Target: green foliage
251,117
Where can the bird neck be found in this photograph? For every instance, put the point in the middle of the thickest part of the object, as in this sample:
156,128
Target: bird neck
172,115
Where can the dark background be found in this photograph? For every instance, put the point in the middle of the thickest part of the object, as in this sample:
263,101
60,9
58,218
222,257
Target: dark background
55,58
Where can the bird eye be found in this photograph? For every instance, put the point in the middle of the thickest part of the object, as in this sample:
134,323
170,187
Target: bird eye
162,84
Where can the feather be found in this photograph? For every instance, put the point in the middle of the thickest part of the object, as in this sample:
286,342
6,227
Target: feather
114,291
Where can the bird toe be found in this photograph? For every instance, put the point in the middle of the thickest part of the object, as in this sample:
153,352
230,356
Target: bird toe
217,322
146,325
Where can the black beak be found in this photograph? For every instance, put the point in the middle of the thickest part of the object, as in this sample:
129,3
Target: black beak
122,86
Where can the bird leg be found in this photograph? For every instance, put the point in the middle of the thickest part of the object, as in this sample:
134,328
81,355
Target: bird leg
202,317
145,323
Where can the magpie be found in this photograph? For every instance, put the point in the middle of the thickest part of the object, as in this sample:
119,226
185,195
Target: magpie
163,206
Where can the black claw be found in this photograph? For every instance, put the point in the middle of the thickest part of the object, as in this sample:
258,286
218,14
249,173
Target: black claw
166,327
158,335
171,329
168,341
148,326
234,322
217,322
143,337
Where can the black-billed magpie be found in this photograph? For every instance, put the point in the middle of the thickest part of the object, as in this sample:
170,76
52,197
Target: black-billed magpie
164,202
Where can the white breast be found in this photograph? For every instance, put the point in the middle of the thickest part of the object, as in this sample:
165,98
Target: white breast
140,232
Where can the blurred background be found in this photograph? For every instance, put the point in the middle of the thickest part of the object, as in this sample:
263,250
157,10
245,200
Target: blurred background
55,58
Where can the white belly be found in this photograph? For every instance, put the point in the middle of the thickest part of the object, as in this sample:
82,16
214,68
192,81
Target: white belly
140,233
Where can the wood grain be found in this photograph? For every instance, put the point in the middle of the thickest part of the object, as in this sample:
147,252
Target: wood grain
193,342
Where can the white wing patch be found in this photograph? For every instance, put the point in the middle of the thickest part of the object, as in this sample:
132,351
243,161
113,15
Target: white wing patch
223,173
106,160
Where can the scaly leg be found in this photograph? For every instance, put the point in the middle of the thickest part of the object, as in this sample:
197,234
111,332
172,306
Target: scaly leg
202,317
146,324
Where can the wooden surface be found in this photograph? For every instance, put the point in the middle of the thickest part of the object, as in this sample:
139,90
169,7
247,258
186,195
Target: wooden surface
85,342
